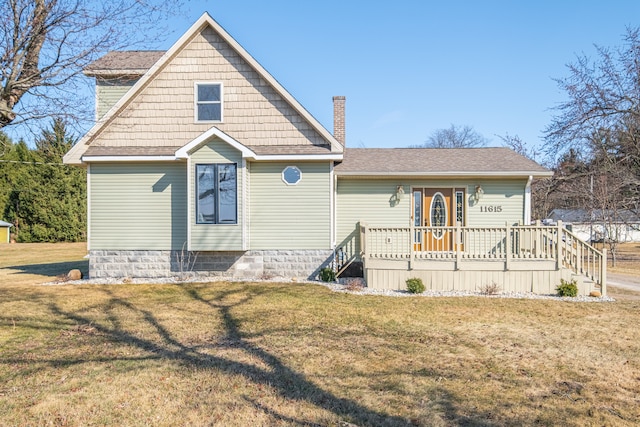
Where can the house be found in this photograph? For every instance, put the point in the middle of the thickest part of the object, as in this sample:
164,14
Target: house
5,231
597,225
200,162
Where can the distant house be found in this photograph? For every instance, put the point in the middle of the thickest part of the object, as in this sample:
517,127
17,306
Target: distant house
598,225
5,231
201,162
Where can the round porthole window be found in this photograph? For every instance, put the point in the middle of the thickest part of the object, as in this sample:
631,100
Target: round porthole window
291,175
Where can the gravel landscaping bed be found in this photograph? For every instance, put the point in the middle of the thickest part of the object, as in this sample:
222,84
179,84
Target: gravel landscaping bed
343,285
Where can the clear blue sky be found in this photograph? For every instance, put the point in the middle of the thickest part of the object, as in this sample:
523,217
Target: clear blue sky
410,67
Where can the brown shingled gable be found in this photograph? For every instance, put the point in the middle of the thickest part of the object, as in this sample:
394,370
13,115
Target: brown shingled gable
432,161
134,62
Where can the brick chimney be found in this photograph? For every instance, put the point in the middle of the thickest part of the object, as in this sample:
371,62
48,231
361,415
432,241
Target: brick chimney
338,119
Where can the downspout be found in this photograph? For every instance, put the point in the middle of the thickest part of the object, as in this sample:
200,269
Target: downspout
527,201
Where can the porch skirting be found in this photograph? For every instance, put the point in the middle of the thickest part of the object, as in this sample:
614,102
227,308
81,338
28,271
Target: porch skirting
303,264
441,275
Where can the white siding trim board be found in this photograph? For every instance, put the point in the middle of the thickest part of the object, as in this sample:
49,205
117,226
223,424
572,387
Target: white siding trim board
111,159
185,151
190,189
332,203
297,157
443,174
527,201
245,196
88,207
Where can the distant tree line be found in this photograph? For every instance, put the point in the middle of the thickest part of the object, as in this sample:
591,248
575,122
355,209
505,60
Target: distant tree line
44,199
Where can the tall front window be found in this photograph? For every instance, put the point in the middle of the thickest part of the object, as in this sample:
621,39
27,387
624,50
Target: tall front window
208,102
217,194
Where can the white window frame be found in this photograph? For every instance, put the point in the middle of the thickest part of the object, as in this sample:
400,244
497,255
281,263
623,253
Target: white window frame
196,102
216,189
438,234
291,167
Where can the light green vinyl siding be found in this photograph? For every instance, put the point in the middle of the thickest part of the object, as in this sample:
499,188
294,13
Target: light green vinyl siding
138,206
108,92
372,201
290,216
508,195
216,237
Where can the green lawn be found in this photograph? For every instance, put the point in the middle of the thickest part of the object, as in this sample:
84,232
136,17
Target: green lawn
300,355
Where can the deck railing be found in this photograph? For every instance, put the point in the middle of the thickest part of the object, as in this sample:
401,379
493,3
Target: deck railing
508,244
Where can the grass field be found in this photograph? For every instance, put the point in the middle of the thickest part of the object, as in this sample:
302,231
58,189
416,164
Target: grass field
628,259
279,354
32,263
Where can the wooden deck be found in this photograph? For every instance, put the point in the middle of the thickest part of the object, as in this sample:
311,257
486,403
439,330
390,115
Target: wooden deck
515,258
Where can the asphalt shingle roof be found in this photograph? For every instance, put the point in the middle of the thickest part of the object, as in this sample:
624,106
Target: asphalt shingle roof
134,62
434,161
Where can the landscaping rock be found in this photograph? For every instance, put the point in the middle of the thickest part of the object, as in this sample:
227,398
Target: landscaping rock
595,294
74,274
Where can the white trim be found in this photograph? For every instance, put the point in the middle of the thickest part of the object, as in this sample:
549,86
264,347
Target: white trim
291,167
446,214
88,207
190,197
95,100
477,174
527,201
102,159
244,200
183,152
456,191
332,202
296,157
196,102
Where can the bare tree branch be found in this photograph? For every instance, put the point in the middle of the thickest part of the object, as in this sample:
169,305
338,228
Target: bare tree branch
45,44
455,137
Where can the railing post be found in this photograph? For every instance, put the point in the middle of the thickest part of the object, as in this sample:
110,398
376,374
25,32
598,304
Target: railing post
458,240
603,273
507,247
411,244
558,246
537,240
363,240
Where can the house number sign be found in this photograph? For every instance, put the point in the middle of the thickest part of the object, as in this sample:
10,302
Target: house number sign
496,208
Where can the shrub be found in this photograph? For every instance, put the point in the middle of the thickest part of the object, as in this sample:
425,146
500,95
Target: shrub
492,289
567,289
327,275
354,284
415,285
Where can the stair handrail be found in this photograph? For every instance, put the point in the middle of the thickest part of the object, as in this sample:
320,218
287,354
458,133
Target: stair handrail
574,257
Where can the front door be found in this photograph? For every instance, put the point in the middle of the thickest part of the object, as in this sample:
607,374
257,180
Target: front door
437,207
437,213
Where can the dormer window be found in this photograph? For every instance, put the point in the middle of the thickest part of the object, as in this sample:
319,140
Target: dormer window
208,98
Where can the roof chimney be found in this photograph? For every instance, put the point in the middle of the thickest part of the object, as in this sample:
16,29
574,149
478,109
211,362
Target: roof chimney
338,119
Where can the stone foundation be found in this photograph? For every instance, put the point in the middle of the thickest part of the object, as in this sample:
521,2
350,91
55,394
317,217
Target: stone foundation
303,264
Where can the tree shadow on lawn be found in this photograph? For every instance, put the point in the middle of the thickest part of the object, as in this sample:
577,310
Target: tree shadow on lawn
288,383
52,269
285,381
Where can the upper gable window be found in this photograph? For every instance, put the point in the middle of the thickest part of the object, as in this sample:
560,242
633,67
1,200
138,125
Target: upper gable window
208,102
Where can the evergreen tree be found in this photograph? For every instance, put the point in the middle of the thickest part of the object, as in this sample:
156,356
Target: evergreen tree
43,198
